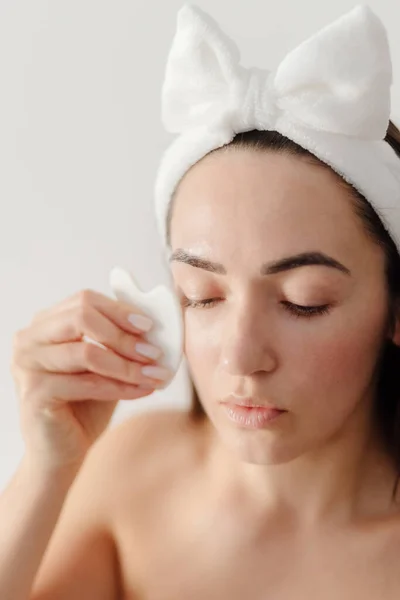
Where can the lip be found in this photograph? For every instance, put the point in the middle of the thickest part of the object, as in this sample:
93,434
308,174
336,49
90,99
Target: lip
249,402
247,413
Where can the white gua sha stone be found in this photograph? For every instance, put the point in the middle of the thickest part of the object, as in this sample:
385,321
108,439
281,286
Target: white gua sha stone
162,306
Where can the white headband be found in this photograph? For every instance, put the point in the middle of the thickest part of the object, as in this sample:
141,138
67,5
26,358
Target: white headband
330,95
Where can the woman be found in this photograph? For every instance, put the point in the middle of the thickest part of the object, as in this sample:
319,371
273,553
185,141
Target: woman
282,481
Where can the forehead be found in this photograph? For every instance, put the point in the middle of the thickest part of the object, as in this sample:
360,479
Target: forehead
263,199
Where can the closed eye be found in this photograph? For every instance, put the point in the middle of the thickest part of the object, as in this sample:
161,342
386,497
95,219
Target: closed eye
306,311
296,310
199,303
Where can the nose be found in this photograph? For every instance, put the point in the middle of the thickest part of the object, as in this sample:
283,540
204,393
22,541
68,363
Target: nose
247,343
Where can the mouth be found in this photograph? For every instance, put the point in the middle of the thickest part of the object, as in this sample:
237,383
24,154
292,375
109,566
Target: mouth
249,413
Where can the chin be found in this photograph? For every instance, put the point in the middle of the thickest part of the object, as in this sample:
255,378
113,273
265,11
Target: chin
258,447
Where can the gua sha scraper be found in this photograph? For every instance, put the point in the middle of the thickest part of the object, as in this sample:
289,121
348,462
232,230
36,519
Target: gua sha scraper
162,306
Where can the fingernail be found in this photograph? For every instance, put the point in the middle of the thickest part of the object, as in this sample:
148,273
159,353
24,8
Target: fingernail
140,322
146,386
148,350
156,372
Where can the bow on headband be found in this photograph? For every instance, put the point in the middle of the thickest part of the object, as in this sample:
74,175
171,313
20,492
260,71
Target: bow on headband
338,81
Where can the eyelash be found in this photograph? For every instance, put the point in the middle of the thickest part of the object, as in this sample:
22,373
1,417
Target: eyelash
295,310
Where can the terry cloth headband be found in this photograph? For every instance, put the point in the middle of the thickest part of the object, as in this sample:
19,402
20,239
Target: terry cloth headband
330,95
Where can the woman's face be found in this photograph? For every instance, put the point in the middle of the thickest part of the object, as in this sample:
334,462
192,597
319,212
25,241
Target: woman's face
243,210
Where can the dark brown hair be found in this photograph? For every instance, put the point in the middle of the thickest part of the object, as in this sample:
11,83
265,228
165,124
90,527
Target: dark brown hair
387,404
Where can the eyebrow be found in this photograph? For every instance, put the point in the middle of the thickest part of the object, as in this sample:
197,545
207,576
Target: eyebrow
285,264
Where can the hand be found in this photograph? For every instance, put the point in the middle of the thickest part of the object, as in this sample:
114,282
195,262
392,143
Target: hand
69,388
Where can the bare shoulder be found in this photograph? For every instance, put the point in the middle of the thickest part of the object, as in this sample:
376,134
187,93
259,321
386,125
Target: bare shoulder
154,469
108,514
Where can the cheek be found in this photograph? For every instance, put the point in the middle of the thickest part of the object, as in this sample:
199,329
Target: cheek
333,371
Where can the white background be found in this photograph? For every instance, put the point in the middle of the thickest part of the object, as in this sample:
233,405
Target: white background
80,142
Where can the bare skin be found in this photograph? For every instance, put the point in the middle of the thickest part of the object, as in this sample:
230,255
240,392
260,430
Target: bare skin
164,508
166,517
189,530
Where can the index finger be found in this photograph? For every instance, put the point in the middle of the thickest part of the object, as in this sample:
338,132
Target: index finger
127,316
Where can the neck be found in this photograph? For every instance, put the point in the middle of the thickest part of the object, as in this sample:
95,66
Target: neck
349,476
